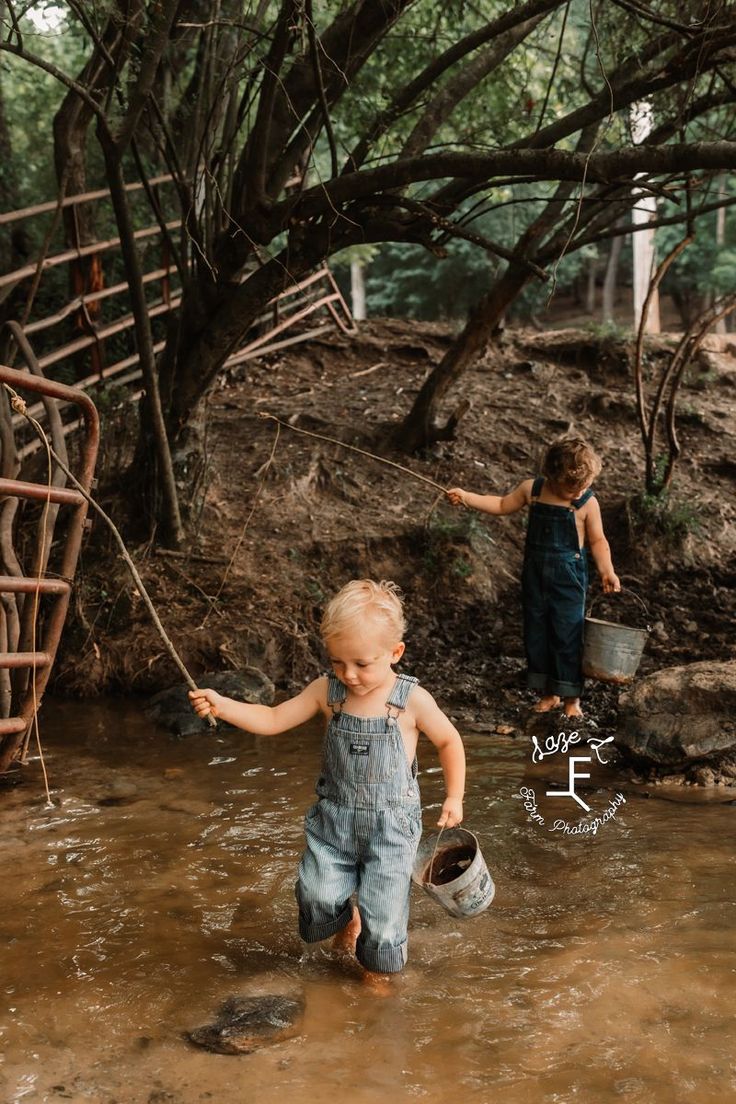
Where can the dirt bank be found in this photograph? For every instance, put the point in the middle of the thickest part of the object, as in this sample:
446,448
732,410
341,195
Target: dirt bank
298,517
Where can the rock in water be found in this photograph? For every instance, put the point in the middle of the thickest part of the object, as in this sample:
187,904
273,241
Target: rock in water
245,1023
681,714
173,709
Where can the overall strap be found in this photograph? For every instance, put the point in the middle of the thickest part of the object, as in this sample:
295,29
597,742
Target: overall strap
336,693
400,692
578,502
537,487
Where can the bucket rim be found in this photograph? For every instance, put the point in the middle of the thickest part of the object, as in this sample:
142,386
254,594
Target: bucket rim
454,836
614,625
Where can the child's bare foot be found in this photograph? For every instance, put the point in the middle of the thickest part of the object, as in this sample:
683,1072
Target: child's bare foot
572,707
346,939
379,984
549,701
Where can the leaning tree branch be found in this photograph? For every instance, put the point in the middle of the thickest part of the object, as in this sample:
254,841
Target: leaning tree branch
61,76
452,194
411,92
660,20
163,19
347,44
455,230
668,220
690,344
91,30
648,422
555,66
252,171
614,203
16,25
603,167
319,81
463,82
638,77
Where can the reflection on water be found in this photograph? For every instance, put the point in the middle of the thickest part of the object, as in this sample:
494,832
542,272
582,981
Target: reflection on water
162,882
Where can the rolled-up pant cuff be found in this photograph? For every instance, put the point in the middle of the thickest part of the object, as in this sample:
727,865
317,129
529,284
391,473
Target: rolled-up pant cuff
565,689
548,685
314,932
382,960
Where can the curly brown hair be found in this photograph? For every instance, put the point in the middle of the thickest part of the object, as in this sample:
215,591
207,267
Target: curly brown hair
570,464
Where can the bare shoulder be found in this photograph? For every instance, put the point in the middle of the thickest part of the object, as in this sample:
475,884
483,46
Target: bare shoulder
592,521
517,499
317,690
591,509
431,720
524,490
423,705
420,698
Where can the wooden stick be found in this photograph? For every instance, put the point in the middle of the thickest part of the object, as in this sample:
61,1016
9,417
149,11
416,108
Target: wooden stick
354,448
367,371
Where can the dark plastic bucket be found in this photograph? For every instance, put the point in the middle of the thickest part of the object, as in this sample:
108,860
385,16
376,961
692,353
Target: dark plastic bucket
449,866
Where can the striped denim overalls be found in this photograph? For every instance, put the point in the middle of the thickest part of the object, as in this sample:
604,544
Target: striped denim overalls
363,833
554,584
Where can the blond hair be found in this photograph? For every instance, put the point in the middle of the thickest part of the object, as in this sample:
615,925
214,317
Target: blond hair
360,599
570,464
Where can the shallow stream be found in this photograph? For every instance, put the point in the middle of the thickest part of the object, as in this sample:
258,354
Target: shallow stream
161,882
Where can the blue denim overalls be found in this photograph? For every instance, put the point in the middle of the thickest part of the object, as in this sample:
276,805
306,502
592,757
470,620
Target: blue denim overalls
554,583
362,834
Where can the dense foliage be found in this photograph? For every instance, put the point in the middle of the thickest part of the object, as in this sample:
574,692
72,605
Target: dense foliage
488,149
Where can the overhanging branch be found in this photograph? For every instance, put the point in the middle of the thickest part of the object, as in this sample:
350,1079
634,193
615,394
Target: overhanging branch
620,166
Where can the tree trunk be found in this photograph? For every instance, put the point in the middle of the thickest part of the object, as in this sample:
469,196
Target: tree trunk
70,126
643,211
590,285
213,322
70,129
8,188
15,244
611,279
721,325
173,531
420,428
357,290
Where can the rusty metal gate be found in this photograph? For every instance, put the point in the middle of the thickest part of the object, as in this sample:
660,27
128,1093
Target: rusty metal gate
34,600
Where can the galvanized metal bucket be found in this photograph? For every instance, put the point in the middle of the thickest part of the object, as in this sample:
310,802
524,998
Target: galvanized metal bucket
449,866
612,652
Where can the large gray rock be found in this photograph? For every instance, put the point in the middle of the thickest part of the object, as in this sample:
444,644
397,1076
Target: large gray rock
173,709
680,714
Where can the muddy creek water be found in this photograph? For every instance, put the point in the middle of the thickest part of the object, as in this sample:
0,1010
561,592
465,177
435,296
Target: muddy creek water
162,882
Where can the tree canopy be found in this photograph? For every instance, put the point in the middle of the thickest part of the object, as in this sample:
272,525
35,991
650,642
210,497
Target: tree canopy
297,129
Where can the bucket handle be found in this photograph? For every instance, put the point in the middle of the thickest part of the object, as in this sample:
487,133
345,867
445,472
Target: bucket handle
434,855
629,593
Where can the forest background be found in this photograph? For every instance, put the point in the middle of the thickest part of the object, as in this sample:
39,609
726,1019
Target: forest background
477,162
486,167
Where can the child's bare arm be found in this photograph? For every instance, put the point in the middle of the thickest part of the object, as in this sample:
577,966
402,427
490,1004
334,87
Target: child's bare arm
494,504
263,720
441,731
599,547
